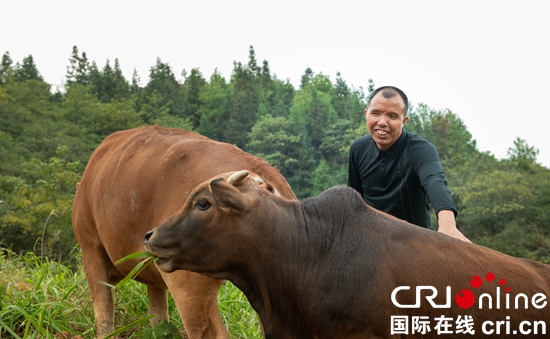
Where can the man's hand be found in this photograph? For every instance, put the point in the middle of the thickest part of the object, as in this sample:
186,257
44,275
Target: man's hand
447,225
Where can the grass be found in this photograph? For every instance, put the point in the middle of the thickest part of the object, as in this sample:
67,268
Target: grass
40,298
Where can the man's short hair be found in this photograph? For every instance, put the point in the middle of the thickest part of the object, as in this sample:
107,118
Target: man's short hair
389,92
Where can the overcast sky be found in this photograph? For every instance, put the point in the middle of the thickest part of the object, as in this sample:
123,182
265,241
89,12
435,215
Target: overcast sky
487,61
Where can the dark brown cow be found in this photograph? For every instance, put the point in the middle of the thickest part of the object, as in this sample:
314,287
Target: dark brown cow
135,180
333,267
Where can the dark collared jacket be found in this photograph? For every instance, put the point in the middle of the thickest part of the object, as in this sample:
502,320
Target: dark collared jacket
402,181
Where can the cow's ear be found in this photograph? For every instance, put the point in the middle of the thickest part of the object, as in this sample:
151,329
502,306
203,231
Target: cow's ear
228,196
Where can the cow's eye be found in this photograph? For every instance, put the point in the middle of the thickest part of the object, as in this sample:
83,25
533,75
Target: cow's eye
202,204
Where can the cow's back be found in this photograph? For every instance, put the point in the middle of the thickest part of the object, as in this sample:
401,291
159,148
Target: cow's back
138,178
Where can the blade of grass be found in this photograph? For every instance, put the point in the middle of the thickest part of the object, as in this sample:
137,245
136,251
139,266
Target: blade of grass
68,292
136,270
129,326
9,330
135,255
149,258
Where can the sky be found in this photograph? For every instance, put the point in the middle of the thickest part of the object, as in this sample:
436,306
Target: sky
486,61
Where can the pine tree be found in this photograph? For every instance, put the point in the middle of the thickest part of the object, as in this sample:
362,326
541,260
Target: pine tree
163,91
266,82
109,83
121,88
191,87
253,63
77,71
306,78
95,80
28,70
135,86
5,68
213,111
245,94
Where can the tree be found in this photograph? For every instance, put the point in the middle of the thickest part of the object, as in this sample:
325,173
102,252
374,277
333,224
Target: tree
109,84
453,141
323,177
77,71
312,107
25,102
348,103
28,70
253,63
135,86
191,88
106,87
492,200
266,82
5,68
43,209
523,154
82,108
121,87
245,97
270,139
116,116
96,80
282,99
334,148
155,107
445,130
371,86
162,90
306,78
213,110
12,155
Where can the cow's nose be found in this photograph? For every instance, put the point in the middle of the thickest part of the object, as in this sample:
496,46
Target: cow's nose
147,236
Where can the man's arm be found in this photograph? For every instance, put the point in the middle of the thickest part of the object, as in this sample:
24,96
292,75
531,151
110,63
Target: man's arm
447,225
433,180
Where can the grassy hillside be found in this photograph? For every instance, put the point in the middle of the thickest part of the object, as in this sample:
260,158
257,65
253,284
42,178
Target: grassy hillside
40,298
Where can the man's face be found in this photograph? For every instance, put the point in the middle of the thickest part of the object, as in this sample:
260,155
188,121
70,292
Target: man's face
385,119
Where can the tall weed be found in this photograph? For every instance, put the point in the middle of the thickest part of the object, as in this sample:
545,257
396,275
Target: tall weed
41,298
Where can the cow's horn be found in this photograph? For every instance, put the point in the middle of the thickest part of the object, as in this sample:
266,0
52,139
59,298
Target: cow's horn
259,181
237,177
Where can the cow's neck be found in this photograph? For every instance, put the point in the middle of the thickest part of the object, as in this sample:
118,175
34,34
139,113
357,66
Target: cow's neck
271,264
301,243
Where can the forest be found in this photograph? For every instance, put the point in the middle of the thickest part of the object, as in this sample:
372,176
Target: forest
47,136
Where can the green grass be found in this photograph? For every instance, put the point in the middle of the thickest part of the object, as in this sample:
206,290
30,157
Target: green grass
40,298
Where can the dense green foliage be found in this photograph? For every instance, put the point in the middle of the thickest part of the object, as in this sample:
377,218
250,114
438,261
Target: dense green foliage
47,137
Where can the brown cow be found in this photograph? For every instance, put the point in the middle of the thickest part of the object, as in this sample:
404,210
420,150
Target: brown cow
333,267
135,180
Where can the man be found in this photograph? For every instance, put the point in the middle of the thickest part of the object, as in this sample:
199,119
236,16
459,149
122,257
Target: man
396,171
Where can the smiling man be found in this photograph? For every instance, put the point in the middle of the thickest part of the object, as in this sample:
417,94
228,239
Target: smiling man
396,171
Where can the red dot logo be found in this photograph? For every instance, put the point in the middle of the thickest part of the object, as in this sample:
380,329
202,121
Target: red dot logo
476,281
465,298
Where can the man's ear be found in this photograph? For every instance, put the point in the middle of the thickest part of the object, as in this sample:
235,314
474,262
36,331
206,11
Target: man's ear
228,196
405,119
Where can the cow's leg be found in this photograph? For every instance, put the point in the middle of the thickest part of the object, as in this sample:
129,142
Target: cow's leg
196,295
158,304
96,269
